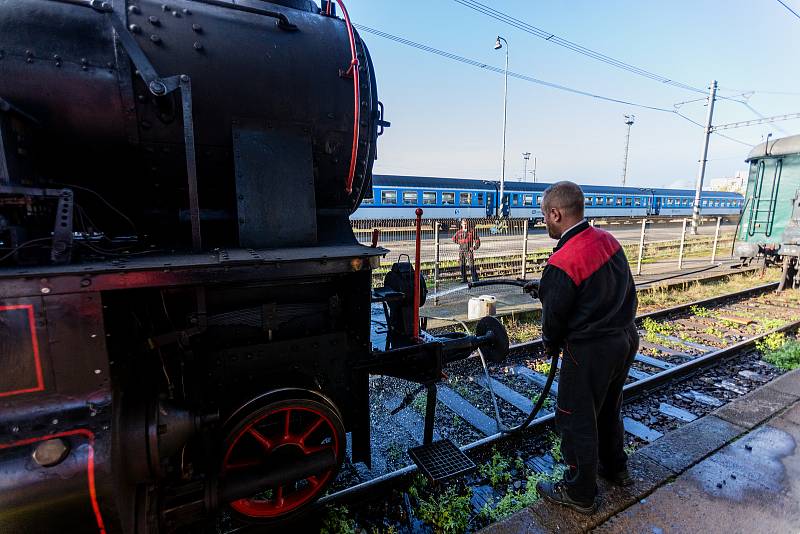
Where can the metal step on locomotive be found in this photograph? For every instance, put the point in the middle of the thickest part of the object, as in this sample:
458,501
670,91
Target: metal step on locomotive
184,311
770,224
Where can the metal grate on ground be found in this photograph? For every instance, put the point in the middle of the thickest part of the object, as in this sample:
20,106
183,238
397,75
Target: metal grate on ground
441,460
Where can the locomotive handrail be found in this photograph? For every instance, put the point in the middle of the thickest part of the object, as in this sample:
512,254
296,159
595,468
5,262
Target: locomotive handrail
283,21
353,69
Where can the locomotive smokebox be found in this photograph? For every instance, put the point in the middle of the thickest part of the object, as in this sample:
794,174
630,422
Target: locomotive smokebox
252,123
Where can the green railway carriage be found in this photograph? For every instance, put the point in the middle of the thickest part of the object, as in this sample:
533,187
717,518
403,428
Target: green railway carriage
770,223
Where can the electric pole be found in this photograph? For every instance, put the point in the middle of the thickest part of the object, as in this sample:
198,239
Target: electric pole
534,169
703,155
629,123
525,157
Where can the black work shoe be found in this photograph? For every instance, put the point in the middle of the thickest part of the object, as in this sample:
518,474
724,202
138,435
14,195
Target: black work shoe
557,493
620,478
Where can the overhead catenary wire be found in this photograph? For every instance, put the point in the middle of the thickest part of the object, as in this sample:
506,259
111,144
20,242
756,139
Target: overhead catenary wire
511,74
575,47
792,11
524,77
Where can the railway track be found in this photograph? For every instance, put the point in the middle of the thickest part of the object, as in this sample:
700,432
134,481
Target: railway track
681,346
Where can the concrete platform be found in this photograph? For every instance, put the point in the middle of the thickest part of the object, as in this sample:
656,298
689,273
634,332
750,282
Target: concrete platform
511,300
734,470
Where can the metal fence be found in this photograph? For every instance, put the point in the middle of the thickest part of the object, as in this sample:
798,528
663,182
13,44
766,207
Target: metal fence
507,249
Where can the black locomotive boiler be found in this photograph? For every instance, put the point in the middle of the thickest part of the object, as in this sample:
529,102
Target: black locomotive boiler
184,311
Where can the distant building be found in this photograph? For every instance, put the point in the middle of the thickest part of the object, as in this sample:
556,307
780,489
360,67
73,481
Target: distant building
735,184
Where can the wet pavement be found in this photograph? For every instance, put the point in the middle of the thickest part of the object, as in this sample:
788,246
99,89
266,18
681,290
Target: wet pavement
734,470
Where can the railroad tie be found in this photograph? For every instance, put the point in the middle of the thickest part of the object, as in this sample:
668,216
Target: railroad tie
702,398
518,400
637,374
537,378
677,413
483,496
693,344
755,377
640,430
661,348
541,464
653,362
409,419
467,411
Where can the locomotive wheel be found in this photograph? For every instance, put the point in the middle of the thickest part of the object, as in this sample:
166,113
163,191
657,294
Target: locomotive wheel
280,433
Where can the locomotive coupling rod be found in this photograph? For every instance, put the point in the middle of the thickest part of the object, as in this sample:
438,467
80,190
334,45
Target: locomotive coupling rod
241,486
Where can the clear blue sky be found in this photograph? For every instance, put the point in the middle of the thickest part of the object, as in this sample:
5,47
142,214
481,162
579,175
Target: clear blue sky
447,117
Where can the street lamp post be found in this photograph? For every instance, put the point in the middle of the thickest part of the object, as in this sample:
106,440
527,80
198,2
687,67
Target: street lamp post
525,157
497,46
628,122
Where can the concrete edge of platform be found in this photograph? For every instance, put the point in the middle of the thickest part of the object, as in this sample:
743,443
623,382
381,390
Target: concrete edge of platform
661,462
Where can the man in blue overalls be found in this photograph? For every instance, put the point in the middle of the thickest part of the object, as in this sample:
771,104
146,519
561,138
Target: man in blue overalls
588,310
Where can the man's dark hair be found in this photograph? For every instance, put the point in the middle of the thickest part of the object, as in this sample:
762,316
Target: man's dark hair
566,196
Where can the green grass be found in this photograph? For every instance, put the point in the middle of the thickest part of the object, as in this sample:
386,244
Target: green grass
662,296
497,470
514,501
780,351
448,512
654,328
700,311
338,521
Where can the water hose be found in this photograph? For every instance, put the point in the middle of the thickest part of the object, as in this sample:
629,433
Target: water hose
551,375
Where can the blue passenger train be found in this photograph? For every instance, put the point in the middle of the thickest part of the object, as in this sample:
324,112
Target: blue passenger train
397,197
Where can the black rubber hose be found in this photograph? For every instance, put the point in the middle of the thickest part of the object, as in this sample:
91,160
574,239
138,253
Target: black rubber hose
554,360
540,402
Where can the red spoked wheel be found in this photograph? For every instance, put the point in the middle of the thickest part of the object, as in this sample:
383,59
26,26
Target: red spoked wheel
278,434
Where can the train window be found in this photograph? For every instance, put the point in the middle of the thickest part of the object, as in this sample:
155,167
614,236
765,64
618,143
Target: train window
480,199
516,199
448,198
618,201
704,203
539,199
587,201
429,197
598,201
628,201
410,198
369,199
465,199
669,202
528,200
637,201
389,197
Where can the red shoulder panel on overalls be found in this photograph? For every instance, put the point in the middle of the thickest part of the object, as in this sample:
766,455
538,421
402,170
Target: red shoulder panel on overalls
584,254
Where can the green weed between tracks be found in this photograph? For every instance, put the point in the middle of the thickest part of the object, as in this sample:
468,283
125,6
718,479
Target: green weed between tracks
447,513
780,351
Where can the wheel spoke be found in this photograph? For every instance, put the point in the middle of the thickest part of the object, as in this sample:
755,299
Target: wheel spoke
311,430
261,438
279,497
312,450
286,425
242,465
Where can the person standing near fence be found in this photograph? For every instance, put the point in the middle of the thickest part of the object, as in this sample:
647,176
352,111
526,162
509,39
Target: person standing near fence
468,242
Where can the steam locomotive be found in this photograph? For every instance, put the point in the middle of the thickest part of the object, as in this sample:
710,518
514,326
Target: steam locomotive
184,311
